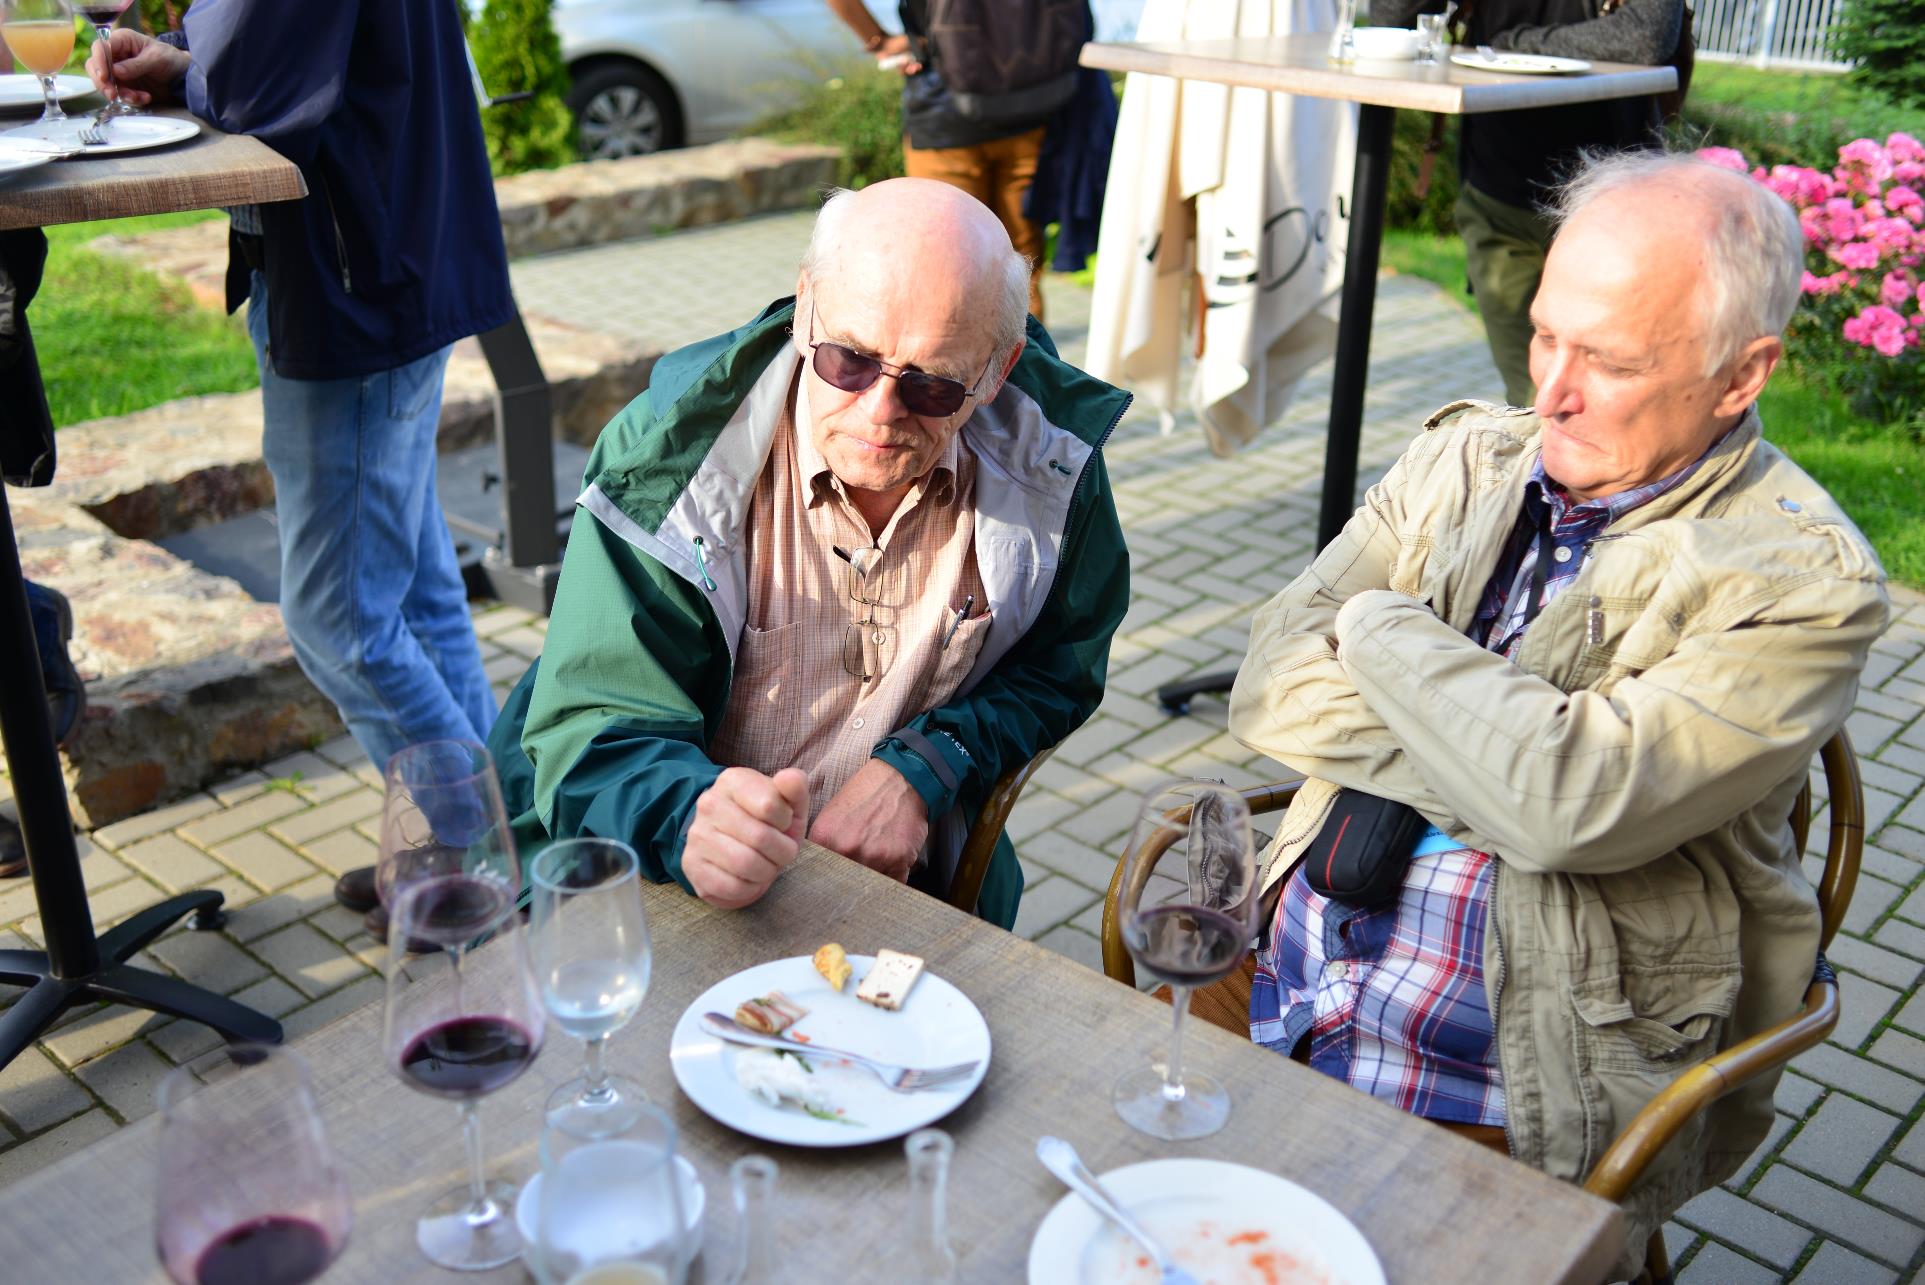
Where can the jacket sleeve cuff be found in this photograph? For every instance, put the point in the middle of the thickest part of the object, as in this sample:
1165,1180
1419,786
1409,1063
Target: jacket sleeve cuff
932,764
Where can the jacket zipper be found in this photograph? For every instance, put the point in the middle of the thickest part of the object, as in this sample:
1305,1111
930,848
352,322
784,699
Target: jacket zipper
1496,989
1076,492
340,242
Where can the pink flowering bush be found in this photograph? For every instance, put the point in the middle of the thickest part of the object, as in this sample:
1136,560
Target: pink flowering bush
1862,325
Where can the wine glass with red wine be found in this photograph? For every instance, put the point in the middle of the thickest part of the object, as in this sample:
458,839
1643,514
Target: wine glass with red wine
1188,910
442,822
249,1193
103,14
460,1025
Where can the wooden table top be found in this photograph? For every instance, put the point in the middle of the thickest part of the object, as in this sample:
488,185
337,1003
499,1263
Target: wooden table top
1299,65
1436,1207
210,170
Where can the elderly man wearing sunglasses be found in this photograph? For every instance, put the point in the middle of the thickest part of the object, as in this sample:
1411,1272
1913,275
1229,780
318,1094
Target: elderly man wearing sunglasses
833,573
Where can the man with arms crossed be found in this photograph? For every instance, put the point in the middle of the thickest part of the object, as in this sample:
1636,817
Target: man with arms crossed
833,573
1595,646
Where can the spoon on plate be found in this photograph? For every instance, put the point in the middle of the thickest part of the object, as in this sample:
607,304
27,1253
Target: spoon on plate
1060,1158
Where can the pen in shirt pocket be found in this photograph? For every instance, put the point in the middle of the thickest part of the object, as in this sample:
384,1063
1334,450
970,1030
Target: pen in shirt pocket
961,612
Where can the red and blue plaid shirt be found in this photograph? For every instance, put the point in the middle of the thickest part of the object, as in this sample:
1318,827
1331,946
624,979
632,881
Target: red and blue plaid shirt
1392,999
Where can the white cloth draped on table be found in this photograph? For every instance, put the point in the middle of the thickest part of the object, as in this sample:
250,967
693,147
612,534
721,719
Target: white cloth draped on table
1226,209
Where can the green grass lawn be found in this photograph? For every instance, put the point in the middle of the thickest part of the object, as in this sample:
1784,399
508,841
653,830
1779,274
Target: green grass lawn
1875,470
113,338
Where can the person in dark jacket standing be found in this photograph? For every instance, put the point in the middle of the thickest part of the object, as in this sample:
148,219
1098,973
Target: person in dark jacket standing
355,295
1509,162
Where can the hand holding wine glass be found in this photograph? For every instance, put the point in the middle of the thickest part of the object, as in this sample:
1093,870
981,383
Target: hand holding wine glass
592,960
141,70
1188,908
103,14
248,1192
461,1023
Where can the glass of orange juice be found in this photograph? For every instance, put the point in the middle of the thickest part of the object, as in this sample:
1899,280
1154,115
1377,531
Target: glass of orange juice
41,35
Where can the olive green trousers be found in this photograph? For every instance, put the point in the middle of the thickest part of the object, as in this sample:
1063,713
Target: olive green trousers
1504,249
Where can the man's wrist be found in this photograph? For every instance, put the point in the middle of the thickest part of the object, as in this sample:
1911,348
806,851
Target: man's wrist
875,42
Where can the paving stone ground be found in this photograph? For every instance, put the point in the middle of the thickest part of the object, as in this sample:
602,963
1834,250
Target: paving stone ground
1836,1194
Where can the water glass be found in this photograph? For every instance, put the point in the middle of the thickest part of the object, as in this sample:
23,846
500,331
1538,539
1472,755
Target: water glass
1430,37
248,1192
592,962
610,1211
1189,910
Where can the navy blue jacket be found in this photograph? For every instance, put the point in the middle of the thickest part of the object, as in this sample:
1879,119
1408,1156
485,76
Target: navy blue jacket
396,251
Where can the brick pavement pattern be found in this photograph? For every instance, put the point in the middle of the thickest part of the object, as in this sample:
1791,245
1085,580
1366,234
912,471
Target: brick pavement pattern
1837,1193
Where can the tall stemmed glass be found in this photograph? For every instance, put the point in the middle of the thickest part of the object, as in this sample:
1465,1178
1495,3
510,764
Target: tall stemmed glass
461,1024
103,14
443,823
1188,909
592,963
248,1191
41,35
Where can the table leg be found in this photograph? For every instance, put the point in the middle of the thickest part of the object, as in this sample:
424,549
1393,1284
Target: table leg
1369,182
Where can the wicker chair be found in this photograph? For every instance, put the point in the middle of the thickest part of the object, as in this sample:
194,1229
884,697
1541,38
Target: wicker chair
1717,1075
967,884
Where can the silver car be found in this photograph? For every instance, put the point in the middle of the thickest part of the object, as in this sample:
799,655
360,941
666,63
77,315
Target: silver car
650,74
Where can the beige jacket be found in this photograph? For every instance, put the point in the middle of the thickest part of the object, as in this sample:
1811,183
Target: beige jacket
1633,770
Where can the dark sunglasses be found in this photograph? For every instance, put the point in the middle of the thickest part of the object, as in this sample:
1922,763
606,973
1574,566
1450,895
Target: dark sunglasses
852,372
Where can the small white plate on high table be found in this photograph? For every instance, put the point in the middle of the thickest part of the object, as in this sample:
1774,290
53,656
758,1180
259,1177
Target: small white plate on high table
1521,64
19,154
21,92
936,1026
123,133
1221,1222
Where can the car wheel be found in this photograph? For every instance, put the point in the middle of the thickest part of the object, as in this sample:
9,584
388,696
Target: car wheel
623,109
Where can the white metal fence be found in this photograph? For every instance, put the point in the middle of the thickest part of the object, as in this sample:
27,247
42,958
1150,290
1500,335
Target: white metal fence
1770,33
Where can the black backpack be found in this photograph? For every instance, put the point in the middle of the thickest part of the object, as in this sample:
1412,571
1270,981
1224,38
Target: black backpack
1002,60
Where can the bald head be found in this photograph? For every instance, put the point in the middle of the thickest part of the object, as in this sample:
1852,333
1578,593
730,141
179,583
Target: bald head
912,243
1726,251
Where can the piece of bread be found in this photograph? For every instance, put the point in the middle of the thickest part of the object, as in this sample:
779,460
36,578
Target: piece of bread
833,963
888,983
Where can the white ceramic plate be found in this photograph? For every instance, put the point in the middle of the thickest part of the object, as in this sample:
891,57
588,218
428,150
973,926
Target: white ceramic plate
528,1203
20,91
17,155
1521,64
124,133
1216,1219
936,1026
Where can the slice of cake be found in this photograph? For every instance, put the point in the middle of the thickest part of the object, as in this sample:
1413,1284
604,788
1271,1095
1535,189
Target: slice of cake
888,983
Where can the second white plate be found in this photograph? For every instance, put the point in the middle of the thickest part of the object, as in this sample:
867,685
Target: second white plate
1222,1222
1521,64
936,1026
20,91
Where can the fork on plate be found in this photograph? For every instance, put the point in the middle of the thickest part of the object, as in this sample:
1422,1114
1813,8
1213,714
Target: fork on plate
94,134
903,1079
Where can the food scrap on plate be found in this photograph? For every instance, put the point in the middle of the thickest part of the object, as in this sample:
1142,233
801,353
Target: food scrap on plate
770,1014
833,963
888,982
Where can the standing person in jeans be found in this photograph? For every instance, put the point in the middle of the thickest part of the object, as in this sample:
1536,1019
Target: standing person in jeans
1017,59
1509,162
355,296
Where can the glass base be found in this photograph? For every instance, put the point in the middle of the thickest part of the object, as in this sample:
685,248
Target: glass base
615,1109
458,1234
118,108
1198,1109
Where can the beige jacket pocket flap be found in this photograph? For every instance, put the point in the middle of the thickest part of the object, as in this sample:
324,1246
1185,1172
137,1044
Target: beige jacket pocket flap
1671,1018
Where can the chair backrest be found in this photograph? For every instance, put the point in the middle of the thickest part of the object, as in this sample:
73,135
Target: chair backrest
1844,848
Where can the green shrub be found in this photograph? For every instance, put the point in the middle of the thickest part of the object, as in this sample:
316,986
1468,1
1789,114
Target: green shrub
1403,208
516,50
858,111
1887,41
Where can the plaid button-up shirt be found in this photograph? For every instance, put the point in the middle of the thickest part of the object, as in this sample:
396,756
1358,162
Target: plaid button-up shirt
1392,999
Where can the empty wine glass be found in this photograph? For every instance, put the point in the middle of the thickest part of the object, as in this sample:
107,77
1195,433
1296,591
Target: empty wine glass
461,1024
592,962
248,1191
442,822
1188,909
103,14
41,35
611,1203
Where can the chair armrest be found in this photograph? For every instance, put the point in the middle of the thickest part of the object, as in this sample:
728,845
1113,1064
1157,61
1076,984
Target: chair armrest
1705,1083
966,887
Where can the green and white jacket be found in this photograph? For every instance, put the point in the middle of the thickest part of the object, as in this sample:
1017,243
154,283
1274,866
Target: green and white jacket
608,735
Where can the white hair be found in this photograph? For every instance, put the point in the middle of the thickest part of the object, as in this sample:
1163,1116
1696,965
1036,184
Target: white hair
1756,250
834,236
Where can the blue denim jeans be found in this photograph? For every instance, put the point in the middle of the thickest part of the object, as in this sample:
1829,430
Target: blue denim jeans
370,588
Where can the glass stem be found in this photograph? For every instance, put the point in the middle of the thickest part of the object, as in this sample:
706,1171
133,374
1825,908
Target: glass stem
593,1071
111,91
1173,1068
52,91
477,1178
